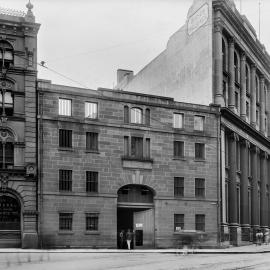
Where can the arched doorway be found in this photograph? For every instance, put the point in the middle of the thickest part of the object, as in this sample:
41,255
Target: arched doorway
135,211
10,221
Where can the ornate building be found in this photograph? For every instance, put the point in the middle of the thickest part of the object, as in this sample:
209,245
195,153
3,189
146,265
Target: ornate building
18,141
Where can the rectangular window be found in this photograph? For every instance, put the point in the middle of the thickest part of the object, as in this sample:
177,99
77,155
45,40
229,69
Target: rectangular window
200,222
91,181
91,222
236,101
126,146
257,117
65,180
247,109
178,149
198,123
65,221
91,110
178,120
137,147
92,141
64,106
147,148
199,187
199,150
65,138
178,222
178,186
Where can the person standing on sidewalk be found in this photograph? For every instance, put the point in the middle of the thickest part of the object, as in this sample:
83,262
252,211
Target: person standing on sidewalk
129,237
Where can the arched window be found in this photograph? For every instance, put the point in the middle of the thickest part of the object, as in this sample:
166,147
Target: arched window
224,55
257,87
6,54
247,79
236,68
6,149
136,116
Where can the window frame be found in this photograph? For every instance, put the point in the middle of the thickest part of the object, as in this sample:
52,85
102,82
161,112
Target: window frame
182,155
69,216
64,142
203,157
87,109
95,217
92,185
179,187
92,141
67,183
200,189
175,123
202,117
176,222
201,224
64,111
136,112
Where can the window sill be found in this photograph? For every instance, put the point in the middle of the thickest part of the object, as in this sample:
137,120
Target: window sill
178,197
65,192
92,151
178,129
198,131
65,232
140,159
179,158
91,119
91,193
92,232
70,149
200,198
200,160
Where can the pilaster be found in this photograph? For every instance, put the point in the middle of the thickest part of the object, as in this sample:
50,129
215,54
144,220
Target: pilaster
232,75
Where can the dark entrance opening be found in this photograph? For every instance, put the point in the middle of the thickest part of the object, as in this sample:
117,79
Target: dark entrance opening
136,212
10,221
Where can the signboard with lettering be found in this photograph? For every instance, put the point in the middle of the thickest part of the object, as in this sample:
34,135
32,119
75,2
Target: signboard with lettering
198,19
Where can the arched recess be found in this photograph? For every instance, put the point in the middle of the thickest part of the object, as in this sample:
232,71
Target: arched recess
135,212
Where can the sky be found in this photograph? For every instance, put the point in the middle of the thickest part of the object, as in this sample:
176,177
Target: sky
84,42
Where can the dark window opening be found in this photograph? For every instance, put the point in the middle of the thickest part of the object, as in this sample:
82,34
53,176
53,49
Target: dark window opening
178,222
91,222
178,149
65,180
6,155
178,186
200,223
65,221
65,138
92,141
137,147
199,151
91,181
199,187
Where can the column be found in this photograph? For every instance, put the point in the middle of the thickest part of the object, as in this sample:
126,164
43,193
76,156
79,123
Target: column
262,104
219,99
244,148
254,189
263,202
243,86
232,191
253,95
231,75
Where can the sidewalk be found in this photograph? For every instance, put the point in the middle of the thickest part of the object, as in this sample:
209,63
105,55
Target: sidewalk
250,249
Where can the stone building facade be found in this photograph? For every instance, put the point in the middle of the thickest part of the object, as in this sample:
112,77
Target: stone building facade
112,160
18,141
218,50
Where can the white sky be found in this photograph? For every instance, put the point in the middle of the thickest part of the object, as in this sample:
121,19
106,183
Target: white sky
88,40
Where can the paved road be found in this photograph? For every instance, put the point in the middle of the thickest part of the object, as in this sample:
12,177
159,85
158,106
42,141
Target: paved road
129,261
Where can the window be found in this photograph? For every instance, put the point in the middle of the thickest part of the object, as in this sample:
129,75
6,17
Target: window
247,80
6,103
236,100
224,55
200,222
92,141
136,116
236,67
198,123
91,110
65,138
178,222
91,181
247,109
137,147
126,146
199,188
65,221
64,107
147,117
199,151
257,89
6,54
65,180
91,222
126,114
178,186
147,148
257,117
178,120
6,155
178,149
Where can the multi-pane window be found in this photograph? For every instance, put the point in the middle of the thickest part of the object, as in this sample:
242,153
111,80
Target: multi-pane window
6,155
178,149
91,110
136,115
178,222
91,181
198,123
65,138
64,107
65,221
137,147
199,150
199,187
200,222
179,186
91,221
92,141
178,119
6,103
65,180
236,100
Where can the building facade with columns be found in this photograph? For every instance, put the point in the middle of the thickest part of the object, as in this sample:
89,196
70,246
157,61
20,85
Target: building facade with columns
18,141
217,58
